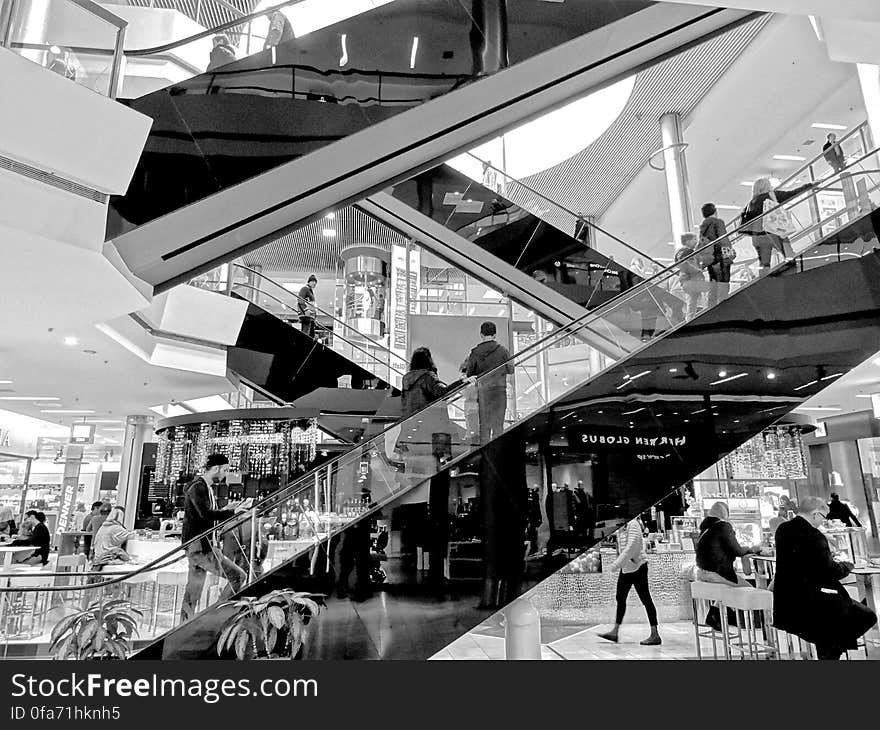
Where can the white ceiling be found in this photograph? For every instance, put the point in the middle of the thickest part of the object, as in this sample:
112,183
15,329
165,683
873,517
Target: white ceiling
764,105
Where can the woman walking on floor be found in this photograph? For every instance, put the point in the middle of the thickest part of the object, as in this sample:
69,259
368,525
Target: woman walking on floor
632,562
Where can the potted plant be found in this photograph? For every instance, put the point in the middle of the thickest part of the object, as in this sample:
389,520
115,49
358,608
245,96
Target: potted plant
274,626
104,630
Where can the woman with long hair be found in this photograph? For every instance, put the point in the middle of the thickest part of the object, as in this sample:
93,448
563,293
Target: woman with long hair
764,241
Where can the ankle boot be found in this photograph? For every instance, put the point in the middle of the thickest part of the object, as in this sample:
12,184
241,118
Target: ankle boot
653,640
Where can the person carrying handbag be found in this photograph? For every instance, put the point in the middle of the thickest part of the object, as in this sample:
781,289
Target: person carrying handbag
713,231
772,224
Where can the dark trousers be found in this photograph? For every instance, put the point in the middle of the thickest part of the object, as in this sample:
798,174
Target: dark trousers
492,405
855,621
307,324
639,579
203,560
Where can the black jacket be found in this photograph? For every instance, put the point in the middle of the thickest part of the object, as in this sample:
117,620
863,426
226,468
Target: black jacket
221,54
198,517
418,389
484,358
837,510
717,548
808,599
755,208
40,539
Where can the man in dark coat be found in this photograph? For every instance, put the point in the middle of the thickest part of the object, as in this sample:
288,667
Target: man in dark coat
490,357
200,516
808,598
837,510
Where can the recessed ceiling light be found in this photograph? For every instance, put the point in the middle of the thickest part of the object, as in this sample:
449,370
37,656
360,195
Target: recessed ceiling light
329,232
68,410
5,382
790,158
29,397
771,376
71,341
722,373
825,125
673,370
747,184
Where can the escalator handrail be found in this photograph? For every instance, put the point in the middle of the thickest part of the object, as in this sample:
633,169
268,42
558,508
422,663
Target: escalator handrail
229,24
300,483
577,216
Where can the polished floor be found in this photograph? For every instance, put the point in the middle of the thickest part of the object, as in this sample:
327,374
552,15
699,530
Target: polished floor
570,643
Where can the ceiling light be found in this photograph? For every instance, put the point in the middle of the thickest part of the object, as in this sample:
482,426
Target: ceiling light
413,52
863,395
728,379
5,382
806,385
630,413
329,232
825,409
343,59
29,397
103,420
747,184
828,377
673,370
68,410
71,341
722,373
790,158
817,28
771,376
825,125
629,379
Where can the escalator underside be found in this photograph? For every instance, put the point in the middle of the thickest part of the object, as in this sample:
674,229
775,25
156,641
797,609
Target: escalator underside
643,427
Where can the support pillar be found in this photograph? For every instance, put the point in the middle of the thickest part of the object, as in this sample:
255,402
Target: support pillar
138,430
677,182
488,36
869,80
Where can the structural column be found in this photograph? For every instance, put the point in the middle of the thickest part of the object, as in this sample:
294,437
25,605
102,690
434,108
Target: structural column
869,79
677,183
138,430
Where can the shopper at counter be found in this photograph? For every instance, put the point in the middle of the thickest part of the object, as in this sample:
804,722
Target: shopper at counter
200,515
718,549
110,538
39,538
808,598
632,562
837,510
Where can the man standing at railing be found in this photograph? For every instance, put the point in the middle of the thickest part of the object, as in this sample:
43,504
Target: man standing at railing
306,306
487,357
201,514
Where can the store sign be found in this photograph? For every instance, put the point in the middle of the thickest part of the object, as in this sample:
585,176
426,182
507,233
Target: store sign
82,433
399,285
614,439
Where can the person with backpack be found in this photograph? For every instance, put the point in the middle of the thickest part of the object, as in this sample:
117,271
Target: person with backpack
222,52
714,231
770,231
690,274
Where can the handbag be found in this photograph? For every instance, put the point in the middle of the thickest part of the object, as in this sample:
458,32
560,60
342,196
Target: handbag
777,219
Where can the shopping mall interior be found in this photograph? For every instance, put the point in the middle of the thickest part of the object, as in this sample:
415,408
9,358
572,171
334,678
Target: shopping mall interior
230,227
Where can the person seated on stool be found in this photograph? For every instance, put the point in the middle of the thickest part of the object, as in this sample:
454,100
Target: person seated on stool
808,598
717,549
39,539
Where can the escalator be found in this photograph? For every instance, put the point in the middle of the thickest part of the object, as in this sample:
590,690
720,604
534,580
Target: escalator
569,255
641,428
262,145
273,355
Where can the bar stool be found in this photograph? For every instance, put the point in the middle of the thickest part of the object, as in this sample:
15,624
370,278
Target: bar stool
746,602
703,595
175,579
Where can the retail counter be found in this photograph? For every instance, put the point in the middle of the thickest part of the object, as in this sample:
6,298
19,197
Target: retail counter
589,597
